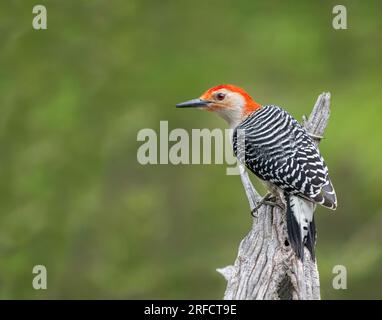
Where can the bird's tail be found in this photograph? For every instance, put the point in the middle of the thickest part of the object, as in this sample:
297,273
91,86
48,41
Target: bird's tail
300,225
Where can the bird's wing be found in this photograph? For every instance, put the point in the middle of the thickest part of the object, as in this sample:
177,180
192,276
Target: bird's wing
279,150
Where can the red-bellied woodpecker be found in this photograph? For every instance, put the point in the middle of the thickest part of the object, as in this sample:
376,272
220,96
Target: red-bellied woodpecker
279,151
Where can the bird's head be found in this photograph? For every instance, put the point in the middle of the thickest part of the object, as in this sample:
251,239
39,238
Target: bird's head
228,101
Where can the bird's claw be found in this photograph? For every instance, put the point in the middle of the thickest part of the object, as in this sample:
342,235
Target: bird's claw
270,200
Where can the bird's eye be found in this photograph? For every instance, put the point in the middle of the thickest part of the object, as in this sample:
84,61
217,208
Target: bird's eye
220,96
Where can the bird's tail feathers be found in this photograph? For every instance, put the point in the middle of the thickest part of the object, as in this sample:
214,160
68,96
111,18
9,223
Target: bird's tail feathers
300,225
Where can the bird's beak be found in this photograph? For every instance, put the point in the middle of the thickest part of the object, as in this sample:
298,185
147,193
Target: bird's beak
194,103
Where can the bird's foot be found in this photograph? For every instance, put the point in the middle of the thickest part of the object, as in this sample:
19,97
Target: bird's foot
270,200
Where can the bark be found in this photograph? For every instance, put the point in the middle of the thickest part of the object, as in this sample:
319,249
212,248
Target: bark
266,266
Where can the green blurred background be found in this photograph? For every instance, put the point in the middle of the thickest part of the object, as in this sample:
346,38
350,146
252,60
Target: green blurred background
73,97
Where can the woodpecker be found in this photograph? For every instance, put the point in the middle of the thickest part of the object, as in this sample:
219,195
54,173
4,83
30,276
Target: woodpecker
279,151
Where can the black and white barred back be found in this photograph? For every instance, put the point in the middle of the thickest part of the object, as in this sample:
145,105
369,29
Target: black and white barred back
278,150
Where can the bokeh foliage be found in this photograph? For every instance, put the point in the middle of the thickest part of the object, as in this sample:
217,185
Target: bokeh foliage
73,97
